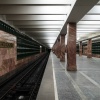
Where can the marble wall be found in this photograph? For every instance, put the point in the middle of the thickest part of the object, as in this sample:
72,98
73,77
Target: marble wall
7,54
24,61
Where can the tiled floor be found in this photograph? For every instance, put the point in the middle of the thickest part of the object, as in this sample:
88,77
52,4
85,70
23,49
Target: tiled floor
83,84
46,91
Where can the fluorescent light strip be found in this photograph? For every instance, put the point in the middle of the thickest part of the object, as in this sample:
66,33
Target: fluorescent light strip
98,29
88,22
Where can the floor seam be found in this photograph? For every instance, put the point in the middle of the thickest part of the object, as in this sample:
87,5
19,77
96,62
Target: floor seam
55,84
83,97
91,80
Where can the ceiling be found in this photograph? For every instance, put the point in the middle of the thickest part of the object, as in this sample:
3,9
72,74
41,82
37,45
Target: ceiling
89,25
44,20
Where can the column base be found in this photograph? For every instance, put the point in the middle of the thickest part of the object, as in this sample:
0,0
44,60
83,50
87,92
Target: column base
62,60
58,56
80,54
89,56
72,68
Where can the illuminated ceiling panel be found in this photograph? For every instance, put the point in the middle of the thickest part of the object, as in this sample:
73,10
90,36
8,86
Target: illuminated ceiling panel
44,19
95,10
39,26
34,9
41,19
38,23
37,17
68,2
90,23
91,17
87,26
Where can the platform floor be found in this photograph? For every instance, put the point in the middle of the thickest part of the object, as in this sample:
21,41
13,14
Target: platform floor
83,84
46,91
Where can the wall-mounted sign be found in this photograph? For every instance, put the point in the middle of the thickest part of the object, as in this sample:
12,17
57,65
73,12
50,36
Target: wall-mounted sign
6,45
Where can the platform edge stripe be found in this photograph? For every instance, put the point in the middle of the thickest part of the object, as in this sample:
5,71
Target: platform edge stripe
55,85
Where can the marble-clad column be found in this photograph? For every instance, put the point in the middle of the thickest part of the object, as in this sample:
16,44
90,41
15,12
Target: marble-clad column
89,48
58,49
54,48
62,43
80,48
71,47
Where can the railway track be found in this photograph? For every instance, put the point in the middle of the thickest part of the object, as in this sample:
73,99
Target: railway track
25,85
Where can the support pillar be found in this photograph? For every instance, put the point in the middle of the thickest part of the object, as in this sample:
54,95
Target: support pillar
89,49
62,43
58,48
80,48
54,48
71,47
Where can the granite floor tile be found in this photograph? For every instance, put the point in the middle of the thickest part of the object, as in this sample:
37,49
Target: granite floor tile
86,79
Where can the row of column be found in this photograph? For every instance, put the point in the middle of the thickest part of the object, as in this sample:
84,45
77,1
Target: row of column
89,48
59,47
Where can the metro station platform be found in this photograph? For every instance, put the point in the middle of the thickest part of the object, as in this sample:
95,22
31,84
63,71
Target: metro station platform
59,84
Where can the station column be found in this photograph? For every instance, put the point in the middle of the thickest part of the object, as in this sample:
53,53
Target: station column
58,48
80,48
89,48
55,48
71,47
62,51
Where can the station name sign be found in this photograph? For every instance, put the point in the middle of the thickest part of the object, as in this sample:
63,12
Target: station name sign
6,45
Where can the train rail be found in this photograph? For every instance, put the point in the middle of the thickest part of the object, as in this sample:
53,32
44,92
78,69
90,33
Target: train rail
25,85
